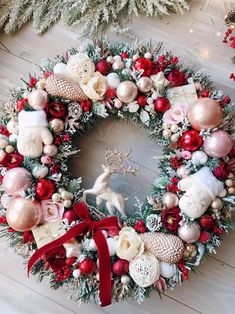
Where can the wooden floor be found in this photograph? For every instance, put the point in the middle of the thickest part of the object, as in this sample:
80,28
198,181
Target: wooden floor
197,37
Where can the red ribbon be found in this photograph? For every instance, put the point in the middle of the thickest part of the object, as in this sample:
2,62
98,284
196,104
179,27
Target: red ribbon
95,227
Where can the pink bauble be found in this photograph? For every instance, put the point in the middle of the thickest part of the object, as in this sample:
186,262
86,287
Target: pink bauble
170,200
218,144
37,99
182,172
189,232
50,150
5,200
205,114
16,181
23,214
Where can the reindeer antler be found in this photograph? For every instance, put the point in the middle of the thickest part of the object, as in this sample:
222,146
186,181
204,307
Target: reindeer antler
115,161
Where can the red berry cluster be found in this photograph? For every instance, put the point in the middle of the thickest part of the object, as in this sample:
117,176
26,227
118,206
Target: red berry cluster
183,269
54,169
62,274
32,81
175,162
4,131
226,37
172,187
140,227
163,62
28,237
225,101
21,103
86,105
3,220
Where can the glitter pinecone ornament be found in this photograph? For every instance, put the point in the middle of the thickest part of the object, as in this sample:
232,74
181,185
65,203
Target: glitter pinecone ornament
166,247
58,85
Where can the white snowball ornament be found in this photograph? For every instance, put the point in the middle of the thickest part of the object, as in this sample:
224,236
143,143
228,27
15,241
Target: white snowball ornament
55,197
118,65
76,273
110,59
199,158
60,68
117,58
112,245
112,80
37,99
40,171
144,269
167,270
125,280
148,55
166,133
12,126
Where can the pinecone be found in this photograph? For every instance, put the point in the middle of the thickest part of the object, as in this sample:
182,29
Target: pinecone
58,85
166,247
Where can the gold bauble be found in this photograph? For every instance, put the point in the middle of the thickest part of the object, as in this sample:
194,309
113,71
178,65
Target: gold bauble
170,200
127,91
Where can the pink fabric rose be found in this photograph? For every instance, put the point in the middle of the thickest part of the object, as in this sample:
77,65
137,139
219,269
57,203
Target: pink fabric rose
176,113
186,154
51,211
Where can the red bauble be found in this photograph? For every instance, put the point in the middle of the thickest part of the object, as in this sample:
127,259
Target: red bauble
58,110
70,215
141,100
207,222
44,189
204,237
103,67
120,267
143,64
124,55
191,140
86,266
12,160
162,104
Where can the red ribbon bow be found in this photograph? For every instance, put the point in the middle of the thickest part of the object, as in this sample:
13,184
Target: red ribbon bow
87,224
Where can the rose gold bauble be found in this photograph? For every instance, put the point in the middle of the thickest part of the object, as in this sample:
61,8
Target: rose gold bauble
189,232
170,199
37,99
23,214
218,144
144,84
127,91
16,181
205,114
50,150
57,125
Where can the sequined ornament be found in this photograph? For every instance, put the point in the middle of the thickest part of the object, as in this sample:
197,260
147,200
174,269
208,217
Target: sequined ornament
166,247
144,269
58,85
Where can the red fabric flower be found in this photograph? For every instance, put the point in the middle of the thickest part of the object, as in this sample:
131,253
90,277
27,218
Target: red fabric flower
175,162
217,230
110,93
176,78
4,131
56,258
172,188
28,237
204,237
12,160
171,218
222,171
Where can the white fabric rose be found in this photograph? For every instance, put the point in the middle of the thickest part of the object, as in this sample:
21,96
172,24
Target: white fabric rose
95,87
129,244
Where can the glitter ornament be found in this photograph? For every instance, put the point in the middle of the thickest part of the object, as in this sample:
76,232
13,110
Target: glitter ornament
143,64
40,171
81,67
103,67
127,91
144,269
191,140
166,247
199,158
58,85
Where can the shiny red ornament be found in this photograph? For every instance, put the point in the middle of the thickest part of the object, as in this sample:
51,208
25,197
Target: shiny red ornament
120,267
204,237
190,140
86,266
143,64
70,215
141,100
58,110
103,67
207,222
44,189
12,160
110,93
176,78
162,104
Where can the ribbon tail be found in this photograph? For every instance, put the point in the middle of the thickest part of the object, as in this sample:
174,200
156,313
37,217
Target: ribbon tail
105,283
72,233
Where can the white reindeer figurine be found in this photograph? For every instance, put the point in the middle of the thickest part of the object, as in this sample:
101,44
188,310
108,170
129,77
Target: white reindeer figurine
101,188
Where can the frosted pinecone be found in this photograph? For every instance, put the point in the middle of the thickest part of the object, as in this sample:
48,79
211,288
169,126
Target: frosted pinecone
153,222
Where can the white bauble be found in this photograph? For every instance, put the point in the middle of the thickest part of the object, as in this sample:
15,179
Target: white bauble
174,138
55,197
117,58
167,270
40,171
112,245
67,203
125,280
166,133
50,150
76,273
136,56
199,158
112,80
223,193
12,127
92,245
60,68
148,55
110,59
174,128
118,65
65,195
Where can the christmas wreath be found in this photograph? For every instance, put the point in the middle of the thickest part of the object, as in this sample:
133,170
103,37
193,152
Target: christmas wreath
99,250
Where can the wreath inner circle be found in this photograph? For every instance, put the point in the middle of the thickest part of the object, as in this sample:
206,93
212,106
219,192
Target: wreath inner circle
98,247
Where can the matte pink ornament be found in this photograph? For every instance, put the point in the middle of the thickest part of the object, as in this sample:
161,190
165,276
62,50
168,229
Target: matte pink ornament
218,144
205,114
16,181
189,232
23,214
